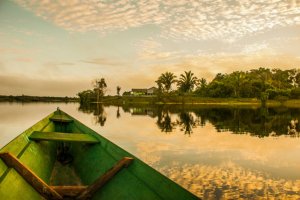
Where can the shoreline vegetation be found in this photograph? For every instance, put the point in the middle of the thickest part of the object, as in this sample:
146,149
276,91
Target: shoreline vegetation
27,98
158,100
194,101
256,87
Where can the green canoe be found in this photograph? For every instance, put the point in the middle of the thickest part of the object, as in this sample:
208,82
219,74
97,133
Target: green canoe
60,158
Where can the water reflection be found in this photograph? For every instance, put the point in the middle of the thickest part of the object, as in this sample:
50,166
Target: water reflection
97,110
219,161
261,122
164,122
229,181
187,122
118,112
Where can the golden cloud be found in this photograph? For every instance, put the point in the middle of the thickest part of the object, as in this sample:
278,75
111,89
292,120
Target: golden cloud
182,19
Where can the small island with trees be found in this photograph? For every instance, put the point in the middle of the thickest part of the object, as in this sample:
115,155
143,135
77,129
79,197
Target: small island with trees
257,86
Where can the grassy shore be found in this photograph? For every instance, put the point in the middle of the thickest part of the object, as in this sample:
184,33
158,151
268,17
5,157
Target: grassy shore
26,98
196,101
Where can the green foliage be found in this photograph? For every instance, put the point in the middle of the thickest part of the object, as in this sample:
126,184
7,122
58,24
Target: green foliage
219,89
99,87
187,82
261,83
165,81
86,96
275,93
295,93
126,93
99,90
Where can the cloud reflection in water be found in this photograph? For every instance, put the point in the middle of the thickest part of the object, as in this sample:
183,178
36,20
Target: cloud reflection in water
230,181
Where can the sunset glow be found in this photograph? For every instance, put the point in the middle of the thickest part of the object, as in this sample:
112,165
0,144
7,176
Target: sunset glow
58,47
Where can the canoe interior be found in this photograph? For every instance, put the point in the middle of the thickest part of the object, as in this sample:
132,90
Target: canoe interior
90,161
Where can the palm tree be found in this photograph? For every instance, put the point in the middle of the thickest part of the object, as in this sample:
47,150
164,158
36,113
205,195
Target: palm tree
187,81
187,122
202,83
165,123
166,79
236,78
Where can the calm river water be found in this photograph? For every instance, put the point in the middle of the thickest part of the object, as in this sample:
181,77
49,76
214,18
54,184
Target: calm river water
216,153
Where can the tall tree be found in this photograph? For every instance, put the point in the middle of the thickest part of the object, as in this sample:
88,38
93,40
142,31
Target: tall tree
160,87
99,87
86,96
281,79
236,79
166,80
187,81
118,90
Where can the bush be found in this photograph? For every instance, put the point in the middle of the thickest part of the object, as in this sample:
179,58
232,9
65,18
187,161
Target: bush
278,94
295,93
281,98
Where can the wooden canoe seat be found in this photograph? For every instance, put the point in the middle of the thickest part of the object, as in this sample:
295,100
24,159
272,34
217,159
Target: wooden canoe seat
61,118
63,137
59,192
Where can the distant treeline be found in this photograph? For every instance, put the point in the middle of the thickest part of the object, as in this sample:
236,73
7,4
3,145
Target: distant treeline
262,84
25,98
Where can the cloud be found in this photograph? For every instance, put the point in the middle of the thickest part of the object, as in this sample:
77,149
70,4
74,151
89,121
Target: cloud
2,67
25,60
182,19
158,56
56,64
105,61
253,48
13,50
150,49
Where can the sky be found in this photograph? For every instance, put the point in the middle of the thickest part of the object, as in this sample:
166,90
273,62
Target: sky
57,48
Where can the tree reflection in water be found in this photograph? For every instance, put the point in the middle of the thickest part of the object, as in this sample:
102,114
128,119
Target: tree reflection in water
118,112
164,122
187,122
260,122
98,111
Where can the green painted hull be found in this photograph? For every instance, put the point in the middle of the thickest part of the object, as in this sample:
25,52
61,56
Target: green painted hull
90,161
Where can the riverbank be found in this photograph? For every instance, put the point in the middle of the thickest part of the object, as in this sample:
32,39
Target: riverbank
192,100
163,100
26,98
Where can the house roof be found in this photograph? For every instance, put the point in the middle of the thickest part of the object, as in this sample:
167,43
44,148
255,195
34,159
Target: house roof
143,89
152,88
139,90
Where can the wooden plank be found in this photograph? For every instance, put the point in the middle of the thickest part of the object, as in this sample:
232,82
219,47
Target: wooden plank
69,191
100,182
61,118
38,184
66,137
